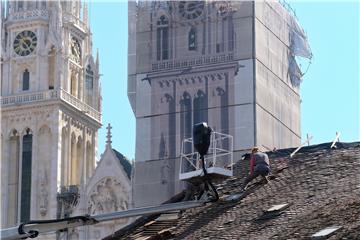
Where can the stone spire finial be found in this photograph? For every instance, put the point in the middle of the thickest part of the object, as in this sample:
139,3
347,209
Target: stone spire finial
97,58
108,136
85,14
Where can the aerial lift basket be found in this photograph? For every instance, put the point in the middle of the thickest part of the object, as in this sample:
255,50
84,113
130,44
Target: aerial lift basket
218,161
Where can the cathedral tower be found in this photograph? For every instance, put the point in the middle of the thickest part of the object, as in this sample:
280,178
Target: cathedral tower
50,105
228,63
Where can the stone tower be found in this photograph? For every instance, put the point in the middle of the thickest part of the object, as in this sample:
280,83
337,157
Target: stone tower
50,105
229,63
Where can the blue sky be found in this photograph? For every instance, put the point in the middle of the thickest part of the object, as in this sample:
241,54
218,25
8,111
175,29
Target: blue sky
329,92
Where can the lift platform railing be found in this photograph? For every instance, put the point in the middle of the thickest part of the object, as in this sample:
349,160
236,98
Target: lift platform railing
218,161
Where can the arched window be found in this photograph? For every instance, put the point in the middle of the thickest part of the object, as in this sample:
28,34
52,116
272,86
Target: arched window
186,118
26,177
73,160
89,85
73,84
162,38
26,80
51,68
192,39
186,124
200,107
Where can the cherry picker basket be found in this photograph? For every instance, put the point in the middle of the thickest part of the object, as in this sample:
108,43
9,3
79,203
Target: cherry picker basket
218,161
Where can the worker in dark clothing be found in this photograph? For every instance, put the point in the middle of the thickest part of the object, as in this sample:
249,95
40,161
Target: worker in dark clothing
259,165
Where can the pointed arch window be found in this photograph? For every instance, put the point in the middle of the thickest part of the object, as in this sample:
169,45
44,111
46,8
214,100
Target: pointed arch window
51,69
186,119
26,80
73,83
162,38
192,39
200,107
89,84
26,177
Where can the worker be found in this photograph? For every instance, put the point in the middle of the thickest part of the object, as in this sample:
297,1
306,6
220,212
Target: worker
259,165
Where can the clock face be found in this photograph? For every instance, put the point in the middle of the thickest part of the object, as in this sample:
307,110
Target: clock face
25,43
191,9
75,50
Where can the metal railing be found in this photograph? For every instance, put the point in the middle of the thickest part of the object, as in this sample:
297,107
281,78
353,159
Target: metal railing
51,95
220,154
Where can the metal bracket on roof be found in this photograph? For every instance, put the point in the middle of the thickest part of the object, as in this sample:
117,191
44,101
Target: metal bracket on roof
307,141
335,140
273,211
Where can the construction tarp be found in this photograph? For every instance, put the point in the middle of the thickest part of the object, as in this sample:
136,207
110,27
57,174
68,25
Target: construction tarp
299,42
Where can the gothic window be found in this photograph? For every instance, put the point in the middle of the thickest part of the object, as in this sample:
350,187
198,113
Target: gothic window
64,157
73,161
89,85
73,84
192,39
231,33
79,161
89,159
186,125
26,177
162,38
26,80
200,107
51,69
222,93
186,118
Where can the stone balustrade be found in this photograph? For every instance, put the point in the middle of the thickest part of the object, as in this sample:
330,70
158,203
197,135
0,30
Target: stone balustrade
181,63
51,95
36,13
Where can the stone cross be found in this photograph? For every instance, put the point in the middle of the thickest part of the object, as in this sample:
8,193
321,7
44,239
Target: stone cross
108,136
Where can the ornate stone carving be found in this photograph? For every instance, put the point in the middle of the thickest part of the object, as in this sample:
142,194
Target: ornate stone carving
107,196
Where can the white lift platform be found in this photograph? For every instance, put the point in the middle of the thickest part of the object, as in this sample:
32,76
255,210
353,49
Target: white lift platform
218,161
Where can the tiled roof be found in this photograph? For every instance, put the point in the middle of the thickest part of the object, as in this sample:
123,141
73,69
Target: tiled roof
321,186
124,162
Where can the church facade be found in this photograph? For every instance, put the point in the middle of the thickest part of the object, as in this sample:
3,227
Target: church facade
50,116
228,63
108,190
50,107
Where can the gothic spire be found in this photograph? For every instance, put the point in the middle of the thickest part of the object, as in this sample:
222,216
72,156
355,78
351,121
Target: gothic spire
85,14
97,58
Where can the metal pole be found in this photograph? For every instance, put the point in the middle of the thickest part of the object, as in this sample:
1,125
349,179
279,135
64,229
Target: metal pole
308,140
148,210
336,139
53,225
